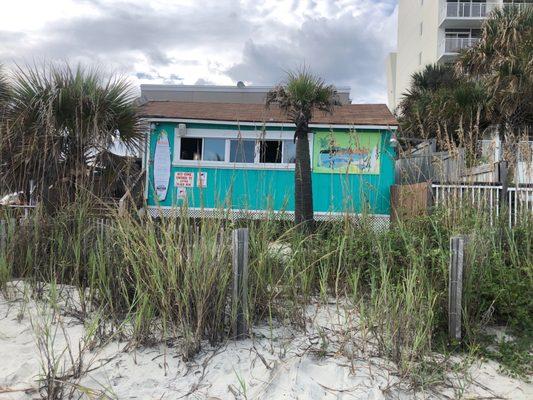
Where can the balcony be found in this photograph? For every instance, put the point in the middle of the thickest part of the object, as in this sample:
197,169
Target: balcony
455,45
468,14
450,47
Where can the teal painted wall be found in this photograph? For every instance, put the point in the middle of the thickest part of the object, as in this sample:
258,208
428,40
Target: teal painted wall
261,189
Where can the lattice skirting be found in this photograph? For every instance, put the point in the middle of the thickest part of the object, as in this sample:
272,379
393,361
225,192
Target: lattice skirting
379,222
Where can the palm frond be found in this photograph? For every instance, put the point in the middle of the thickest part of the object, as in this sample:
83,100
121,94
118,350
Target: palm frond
62,116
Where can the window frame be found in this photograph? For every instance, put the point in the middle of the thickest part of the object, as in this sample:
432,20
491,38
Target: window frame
228,136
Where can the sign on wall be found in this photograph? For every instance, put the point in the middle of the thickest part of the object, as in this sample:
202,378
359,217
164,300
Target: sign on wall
181,193
184,179
162,166
346,152
201,181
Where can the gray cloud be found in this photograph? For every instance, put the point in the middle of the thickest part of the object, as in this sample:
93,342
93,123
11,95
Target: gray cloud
203,81
344,48
124,29
346,51
146,76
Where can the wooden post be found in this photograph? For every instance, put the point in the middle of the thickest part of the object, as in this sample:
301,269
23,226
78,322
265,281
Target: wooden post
3,236
240,282
458,246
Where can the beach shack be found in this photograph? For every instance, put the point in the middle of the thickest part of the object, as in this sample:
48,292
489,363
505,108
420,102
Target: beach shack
215,155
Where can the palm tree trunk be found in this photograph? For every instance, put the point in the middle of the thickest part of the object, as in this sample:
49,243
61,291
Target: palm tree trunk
303,189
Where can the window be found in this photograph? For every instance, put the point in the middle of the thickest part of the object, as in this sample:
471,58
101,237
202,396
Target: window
191,149
421,28
289,152
214,149
242,151
245,151
420,58
270,151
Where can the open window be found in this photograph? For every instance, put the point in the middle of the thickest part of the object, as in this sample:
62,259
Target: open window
191,149
237,151
270,151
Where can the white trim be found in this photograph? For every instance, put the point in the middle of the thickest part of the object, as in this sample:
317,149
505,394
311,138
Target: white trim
227,150
147,166
238,134
257,150
177,146
231,165
280,124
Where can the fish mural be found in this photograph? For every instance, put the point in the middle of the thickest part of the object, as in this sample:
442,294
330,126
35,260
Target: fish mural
355,153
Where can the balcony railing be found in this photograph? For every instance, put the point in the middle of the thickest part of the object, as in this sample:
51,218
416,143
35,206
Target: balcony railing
455,45
467,9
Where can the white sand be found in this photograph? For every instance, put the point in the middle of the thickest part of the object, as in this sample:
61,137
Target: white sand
277,364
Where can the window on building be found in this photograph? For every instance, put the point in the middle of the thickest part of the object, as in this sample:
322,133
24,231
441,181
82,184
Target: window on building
242,151
420,58
214,149
421,28
248,151
191,149
270,151
289,152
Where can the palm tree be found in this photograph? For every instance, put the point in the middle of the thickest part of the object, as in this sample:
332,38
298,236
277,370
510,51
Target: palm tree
302,94
4,88
5,92
61,118
502,61
445,106
425,89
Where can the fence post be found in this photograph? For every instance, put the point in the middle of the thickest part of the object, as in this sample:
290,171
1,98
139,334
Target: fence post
3,236
240,282
458,245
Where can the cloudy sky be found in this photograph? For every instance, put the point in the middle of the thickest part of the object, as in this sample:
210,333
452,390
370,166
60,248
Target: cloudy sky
208,42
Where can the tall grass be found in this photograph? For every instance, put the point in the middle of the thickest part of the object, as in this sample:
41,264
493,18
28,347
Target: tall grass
171,279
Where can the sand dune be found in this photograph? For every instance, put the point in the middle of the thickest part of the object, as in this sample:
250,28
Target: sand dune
277,363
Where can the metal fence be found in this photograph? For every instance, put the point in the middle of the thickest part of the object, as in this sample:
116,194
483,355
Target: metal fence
487,199
520,201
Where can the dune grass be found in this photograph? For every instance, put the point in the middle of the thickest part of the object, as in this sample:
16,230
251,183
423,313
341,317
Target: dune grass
171,279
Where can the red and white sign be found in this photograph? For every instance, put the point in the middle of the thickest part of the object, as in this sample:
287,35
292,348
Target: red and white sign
184,179
201,181
181,193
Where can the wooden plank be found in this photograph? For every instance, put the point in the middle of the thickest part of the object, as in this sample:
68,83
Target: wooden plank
240,282
410,201
458,257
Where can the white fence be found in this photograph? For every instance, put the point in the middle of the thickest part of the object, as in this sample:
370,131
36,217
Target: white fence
518,201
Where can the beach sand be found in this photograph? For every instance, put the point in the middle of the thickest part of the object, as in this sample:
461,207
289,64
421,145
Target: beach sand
326,362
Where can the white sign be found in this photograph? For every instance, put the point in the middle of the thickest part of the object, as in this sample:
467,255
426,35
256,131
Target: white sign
184,179
182,193
162,166
201,180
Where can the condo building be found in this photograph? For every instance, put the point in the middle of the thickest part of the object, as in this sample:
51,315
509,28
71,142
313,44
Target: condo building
435,31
